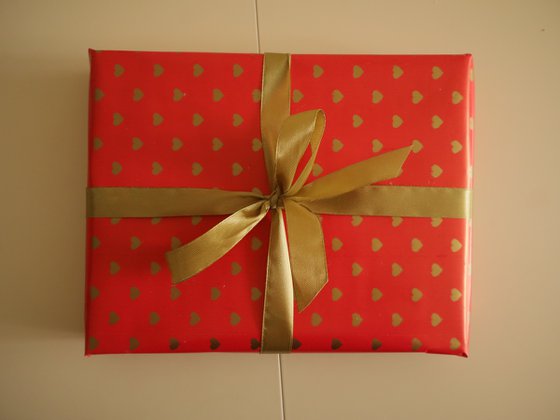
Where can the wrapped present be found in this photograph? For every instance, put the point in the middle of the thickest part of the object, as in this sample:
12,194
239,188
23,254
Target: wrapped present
276,203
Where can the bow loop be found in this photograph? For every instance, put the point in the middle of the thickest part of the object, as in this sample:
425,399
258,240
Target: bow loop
297,133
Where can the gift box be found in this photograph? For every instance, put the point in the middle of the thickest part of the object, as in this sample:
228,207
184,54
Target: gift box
198,238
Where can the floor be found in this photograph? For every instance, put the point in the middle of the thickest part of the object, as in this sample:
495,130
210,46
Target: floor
514,368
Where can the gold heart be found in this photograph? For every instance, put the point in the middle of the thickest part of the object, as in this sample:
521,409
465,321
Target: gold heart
136,143
216,144
396,221
356,320
297,96
356,269
357,120
376,244
436,72
454,344
316,319
376,294
337,145
217,95
214,344
95,242
415,344
157,119
154,268
97,143
376,145
455,295
235,268
256,95
397,121
357,220
396,319
416,245
175,293
436,121
357,71
154,318
416,295
178,94
456,97
135,242
436,221
436,269
256,145
156,168
197,119
375,344
236,169
195,220
194,318
436,171
336,244
158,70
416,97
98,94
133,343
134,293
117,119
337,96
237,120
456,245
397,72
234,319
436,320
255,293
173,344
376,96
215,293
336,294
114,268
197,70
256,243
396,269
336,344
456,147
255,344
119,70
113,318
417,146
176,144
196,168
137,94
92,343
317,169
237,70
317,71
175,242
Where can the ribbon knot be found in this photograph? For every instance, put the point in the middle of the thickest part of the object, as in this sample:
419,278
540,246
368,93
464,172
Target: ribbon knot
276,200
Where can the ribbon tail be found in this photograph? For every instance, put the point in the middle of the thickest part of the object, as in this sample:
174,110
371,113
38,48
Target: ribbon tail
278,312
307,253
360,174
188,260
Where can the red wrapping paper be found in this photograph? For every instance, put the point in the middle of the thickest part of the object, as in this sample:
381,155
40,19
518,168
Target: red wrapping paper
193,120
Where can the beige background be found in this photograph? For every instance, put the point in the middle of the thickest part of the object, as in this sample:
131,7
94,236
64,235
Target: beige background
514,369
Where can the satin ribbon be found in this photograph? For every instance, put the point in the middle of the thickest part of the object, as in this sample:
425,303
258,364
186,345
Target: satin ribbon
293,205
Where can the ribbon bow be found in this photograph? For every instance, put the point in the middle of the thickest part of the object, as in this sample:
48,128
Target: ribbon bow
290,271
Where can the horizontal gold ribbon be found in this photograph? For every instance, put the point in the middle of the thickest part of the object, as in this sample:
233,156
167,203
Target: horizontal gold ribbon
347,191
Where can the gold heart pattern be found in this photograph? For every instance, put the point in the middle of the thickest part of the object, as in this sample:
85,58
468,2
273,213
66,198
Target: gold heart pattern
380,96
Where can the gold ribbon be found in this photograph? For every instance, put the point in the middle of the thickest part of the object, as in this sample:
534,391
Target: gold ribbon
285,140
